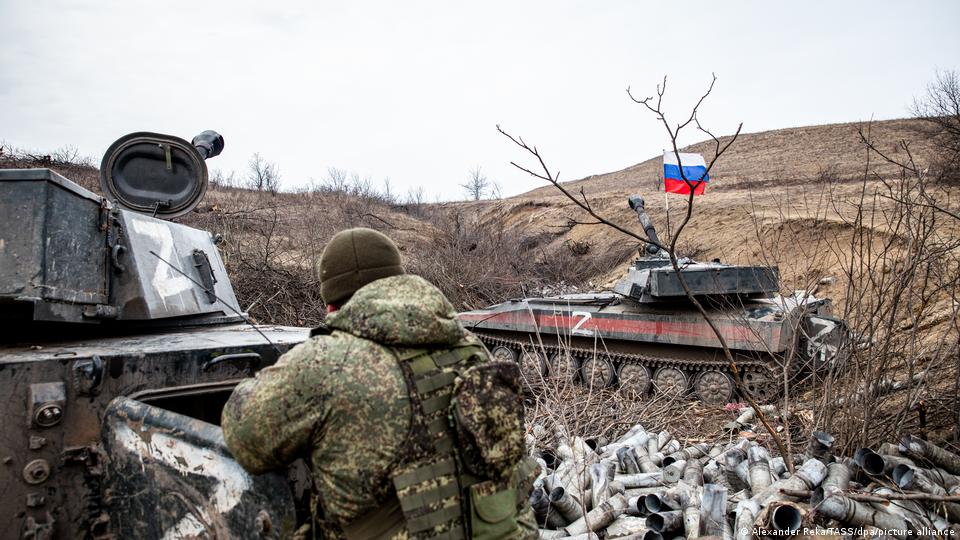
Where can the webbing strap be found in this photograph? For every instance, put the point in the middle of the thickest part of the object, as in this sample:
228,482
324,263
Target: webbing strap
407,354
437,403
453,534
434,382
422,360
422,364
453,356
413,501
444,445
467,480
437,517
438,425
424,473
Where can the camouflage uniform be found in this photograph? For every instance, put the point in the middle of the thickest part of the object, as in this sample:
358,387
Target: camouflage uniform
342,401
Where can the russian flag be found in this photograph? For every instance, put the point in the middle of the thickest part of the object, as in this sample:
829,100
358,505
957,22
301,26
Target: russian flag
694,170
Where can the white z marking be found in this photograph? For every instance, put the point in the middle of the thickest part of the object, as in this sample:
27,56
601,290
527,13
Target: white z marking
585,316
230,480
165,282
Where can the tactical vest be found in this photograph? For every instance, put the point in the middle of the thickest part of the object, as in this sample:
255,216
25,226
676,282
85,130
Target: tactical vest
446,490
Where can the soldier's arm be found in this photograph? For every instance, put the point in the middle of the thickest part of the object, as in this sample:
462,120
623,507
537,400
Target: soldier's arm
269,420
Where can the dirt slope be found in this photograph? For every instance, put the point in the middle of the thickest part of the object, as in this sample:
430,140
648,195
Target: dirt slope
769,158
789,174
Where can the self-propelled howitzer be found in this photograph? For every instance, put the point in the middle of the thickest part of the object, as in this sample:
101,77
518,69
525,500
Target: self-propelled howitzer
121,341
647,335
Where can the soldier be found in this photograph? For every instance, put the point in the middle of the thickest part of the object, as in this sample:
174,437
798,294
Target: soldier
410,429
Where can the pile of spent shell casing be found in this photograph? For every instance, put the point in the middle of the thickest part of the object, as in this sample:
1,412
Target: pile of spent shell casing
648,485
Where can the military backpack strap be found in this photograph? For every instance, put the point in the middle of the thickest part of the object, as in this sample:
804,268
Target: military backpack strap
430,485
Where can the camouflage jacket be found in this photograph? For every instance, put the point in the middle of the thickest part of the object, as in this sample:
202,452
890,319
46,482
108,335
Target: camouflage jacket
340,400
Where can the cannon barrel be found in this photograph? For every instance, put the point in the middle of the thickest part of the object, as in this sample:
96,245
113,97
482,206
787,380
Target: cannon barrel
209,144
636,204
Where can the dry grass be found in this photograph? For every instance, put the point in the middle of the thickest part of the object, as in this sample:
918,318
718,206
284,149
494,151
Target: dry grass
793,197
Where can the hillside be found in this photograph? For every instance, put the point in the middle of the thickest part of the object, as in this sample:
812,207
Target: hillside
805,199
783,181
793,179
777,157
836,221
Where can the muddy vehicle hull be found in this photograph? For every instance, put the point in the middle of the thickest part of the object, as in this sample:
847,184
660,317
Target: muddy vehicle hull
122,341
646,351
61,475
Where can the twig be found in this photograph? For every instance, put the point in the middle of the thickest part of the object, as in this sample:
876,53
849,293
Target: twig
583,203
718,151
553,179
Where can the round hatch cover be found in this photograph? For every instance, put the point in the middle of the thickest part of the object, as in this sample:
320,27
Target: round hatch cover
159,175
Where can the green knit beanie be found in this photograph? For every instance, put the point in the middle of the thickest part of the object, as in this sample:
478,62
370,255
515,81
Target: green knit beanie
352,259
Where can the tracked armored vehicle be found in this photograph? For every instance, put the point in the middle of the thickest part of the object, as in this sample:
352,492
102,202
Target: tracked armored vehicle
121,341
647,336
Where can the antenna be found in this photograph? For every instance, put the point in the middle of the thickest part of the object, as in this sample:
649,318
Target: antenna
217,298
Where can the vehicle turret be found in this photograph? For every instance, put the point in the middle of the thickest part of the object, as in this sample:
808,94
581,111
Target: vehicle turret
122,340
74,257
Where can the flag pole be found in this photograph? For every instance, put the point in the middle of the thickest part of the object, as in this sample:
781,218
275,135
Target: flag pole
666,200
666,203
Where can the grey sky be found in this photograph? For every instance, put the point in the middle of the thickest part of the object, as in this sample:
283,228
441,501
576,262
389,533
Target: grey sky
413,90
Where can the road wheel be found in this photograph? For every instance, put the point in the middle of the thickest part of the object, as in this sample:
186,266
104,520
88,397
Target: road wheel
670,381
762,385
635,379
598,371
562,366
714,387
533,366
504,353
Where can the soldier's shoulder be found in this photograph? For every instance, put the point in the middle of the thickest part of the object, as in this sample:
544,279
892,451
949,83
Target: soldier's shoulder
472,339
321,330
323,348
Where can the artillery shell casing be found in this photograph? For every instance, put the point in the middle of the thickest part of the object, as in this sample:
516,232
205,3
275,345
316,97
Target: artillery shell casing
758,467
599,517
640,480
569,507
674,472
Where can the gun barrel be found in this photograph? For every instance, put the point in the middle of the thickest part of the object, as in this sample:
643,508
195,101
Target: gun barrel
636,204
209,144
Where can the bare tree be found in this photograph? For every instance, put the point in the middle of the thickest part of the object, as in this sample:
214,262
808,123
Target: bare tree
388,195
414,201
70,155
336,180
263,175
220,180
495,192
477,186
581,200
940,110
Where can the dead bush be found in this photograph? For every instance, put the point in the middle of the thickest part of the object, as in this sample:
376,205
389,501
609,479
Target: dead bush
66,161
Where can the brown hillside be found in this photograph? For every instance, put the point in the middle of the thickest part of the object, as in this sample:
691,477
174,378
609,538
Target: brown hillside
789,178
768,158
790,175
806,199
811,201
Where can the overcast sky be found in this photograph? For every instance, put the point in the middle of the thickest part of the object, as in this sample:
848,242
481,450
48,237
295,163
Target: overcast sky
413,90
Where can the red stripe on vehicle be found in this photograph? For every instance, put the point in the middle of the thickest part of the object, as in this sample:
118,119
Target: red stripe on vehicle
698,331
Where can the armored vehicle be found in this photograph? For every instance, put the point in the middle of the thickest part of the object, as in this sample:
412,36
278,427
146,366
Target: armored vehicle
121,341
646,334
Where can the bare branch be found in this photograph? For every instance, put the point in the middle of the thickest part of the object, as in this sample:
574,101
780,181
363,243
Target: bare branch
582,203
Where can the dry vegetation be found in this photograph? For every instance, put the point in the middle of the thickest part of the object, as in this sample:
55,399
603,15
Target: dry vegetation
883,244
836,217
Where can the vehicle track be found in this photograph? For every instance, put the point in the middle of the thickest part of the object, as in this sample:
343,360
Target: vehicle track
710,380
